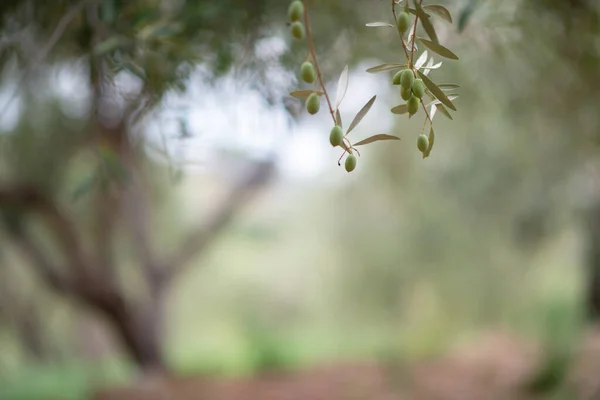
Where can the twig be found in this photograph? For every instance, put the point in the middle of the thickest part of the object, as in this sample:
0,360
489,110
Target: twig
426,112
414,36
396,22
314,58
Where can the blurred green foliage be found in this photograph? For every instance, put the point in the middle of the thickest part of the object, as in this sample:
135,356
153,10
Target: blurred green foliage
410,257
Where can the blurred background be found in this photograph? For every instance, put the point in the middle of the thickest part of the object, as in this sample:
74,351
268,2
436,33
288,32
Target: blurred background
168,210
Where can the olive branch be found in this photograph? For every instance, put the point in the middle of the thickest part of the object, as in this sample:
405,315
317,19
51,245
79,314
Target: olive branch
416,88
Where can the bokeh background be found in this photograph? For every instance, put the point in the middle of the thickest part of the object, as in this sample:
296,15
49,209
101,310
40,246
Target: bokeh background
167,207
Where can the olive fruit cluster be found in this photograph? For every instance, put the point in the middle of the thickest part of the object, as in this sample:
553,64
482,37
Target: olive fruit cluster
411,91
336,137
295,14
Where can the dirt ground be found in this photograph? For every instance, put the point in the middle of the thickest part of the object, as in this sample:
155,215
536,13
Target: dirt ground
494,368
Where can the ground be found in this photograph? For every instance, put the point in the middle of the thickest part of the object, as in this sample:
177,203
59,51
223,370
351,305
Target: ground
495,368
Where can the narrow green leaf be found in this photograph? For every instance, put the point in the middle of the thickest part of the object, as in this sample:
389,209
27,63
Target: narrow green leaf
400,109
110,44
84,186
135,69
448,86
379,24
432,112
443,110
375,138
438,48
338,118
436,91
361,114
432,66
385,67
466,13
427,25
431,140
303,94
441,11
435,101
342,87
421,60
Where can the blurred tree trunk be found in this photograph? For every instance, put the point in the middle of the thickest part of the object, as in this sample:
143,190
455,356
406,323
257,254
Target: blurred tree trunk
91,277
140,331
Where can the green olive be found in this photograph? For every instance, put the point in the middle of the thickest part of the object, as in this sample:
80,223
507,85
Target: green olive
297,30
313,103
350,163
422,143
307,72
336,136
413,105
396,79
295,10
418,88
405,93
407,78
403,22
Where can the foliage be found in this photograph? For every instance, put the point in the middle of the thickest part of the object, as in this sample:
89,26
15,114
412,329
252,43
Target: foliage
411,69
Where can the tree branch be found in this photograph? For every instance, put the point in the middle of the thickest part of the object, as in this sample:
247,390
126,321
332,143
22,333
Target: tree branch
41,262
137,215
198,240
28,199
47,48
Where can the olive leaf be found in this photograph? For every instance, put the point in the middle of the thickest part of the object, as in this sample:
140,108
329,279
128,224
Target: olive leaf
441,11
303,94
400,109
385,67
338,118
448,86
361,114
443,110
451,97
134,68
432,112
342,87
431,140
375,138
421,60
436,91
465,14
111,44
379,24
427,24
438,49
85,186
432,66
427,69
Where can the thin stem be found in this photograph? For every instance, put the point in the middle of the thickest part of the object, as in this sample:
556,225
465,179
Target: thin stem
313,54
349,145
399,33
426,112
414,36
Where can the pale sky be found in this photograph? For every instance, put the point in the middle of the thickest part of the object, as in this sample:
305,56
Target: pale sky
235,117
